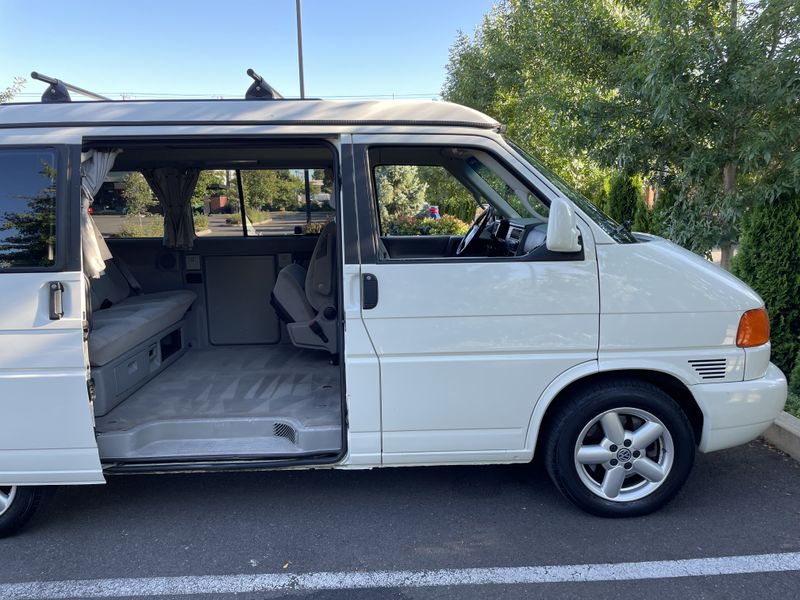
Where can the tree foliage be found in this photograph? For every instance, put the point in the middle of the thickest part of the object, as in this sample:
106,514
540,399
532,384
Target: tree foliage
767,260
401,191
12,90
137,194
703,94
205,180
28,234
270,189
624,195
446,192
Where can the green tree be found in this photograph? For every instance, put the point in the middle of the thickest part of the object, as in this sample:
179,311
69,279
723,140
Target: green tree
270,189
137,194
510,69
624,195
28,234
702,93
401,191
767,260
446,192
643,217
12,90
205,180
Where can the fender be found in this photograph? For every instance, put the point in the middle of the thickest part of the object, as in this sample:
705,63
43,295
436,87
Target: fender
550,393
595,367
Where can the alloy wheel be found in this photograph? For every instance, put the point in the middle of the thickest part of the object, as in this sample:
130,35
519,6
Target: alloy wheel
624,454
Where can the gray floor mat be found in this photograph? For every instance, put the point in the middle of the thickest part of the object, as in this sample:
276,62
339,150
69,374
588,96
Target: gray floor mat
278,381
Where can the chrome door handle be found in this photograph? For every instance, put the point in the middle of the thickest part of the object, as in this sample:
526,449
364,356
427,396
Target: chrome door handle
56,294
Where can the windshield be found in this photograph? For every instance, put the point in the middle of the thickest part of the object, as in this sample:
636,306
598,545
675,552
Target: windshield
617,232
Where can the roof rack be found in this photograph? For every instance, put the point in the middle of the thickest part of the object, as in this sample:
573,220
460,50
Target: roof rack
58,91
260,89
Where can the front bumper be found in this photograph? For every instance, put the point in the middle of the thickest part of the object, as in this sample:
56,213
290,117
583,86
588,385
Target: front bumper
735,413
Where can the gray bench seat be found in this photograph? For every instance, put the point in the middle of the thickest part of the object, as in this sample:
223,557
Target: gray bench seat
132,321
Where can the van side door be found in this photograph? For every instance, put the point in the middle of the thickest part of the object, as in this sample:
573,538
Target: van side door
46,422
466,343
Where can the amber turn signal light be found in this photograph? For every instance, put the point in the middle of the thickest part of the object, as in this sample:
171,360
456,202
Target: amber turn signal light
753,328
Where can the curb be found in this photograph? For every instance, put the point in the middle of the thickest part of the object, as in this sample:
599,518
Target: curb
784,434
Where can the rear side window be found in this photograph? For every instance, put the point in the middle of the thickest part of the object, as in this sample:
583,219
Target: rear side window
27,209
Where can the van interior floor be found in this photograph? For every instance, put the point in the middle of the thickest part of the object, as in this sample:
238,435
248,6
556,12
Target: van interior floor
231,401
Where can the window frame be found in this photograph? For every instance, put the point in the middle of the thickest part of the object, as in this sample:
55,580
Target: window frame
67,165
367,200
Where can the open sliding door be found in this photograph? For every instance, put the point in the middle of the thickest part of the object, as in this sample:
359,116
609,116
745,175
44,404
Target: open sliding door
46,423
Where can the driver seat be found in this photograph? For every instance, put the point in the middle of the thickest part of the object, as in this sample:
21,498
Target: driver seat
306,299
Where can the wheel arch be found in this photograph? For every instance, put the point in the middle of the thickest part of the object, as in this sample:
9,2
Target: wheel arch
587,374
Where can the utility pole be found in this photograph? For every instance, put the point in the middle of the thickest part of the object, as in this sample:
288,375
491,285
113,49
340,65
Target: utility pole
299,13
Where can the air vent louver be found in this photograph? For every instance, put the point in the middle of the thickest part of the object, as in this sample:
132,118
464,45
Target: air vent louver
710,368
285,430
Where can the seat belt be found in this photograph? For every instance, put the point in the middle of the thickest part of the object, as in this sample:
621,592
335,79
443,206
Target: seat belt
129,277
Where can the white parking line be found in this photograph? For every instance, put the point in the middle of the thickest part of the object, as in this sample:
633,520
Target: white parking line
231,584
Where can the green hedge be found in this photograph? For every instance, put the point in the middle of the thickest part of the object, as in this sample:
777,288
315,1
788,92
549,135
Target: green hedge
768,261
447,225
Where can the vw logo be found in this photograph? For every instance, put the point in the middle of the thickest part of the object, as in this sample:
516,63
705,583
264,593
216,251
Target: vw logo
624,455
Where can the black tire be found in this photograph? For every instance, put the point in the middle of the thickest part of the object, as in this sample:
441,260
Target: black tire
25,502
584,405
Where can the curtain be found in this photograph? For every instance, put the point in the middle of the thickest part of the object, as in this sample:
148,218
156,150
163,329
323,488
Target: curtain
95,166
174,188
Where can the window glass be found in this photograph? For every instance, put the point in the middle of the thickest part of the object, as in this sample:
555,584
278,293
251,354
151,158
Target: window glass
422,200
274,203
616,231
531,206
27,208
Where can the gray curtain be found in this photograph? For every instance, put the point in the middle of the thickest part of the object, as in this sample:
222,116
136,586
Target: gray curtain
95,166
174,188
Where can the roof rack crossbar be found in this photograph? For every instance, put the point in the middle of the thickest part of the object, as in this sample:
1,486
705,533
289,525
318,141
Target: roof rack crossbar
59,90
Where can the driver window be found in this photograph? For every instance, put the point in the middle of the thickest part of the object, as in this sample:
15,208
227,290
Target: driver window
446,202
422,200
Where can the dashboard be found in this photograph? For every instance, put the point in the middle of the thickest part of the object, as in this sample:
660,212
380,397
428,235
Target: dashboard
517,237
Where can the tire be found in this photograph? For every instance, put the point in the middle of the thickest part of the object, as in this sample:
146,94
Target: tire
628,479
23,504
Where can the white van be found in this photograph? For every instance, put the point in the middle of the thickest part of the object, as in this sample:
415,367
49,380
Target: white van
389,338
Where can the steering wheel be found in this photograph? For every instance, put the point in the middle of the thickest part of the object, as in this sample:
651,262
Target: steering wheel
475,230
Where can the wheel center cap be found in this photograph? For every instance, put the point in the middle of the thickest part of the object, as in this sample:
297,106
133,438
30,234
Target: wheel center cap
624,455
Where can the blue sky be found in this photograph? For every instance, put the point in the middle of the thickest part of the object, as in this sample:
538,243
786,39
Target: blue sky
359,48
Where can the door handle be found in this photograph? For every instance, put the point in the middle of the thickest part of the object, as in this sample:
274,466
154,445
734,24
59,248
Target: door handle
369,291
56,293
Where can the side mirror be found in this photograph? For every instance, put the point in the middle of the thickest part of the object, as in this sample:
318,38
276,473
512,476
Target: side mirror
562,232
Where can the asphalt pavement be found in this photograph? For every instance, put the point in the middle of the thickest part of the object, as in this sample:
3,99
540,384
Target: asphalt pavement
496,521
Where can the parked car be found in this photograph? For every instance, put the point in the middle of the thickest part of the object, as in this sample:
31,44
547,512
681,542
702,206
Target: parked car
548,329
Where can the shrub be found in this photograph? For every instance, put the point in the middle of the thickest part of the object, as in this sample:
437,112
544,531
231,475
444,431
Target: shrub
142,227
200,222
447,225
643,217
462,207
624,194
314,228
767,260
794,380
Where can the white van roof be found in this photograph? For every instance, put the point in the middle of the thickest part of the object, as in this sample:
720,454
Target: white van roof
244,112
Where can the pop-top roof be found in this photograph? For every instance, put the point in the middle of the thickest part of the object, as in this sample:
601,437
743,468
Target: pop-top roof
243,112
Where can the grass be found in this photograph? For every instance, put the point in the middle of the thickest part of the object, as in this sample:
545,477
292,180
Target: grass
142,227
152,226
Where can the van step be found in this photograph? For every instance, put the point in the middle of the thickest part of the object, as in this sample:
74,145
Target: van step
222,437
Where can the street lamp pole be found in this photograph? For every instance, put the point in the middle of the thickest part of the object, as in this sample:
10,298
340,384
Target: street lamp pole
299,13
